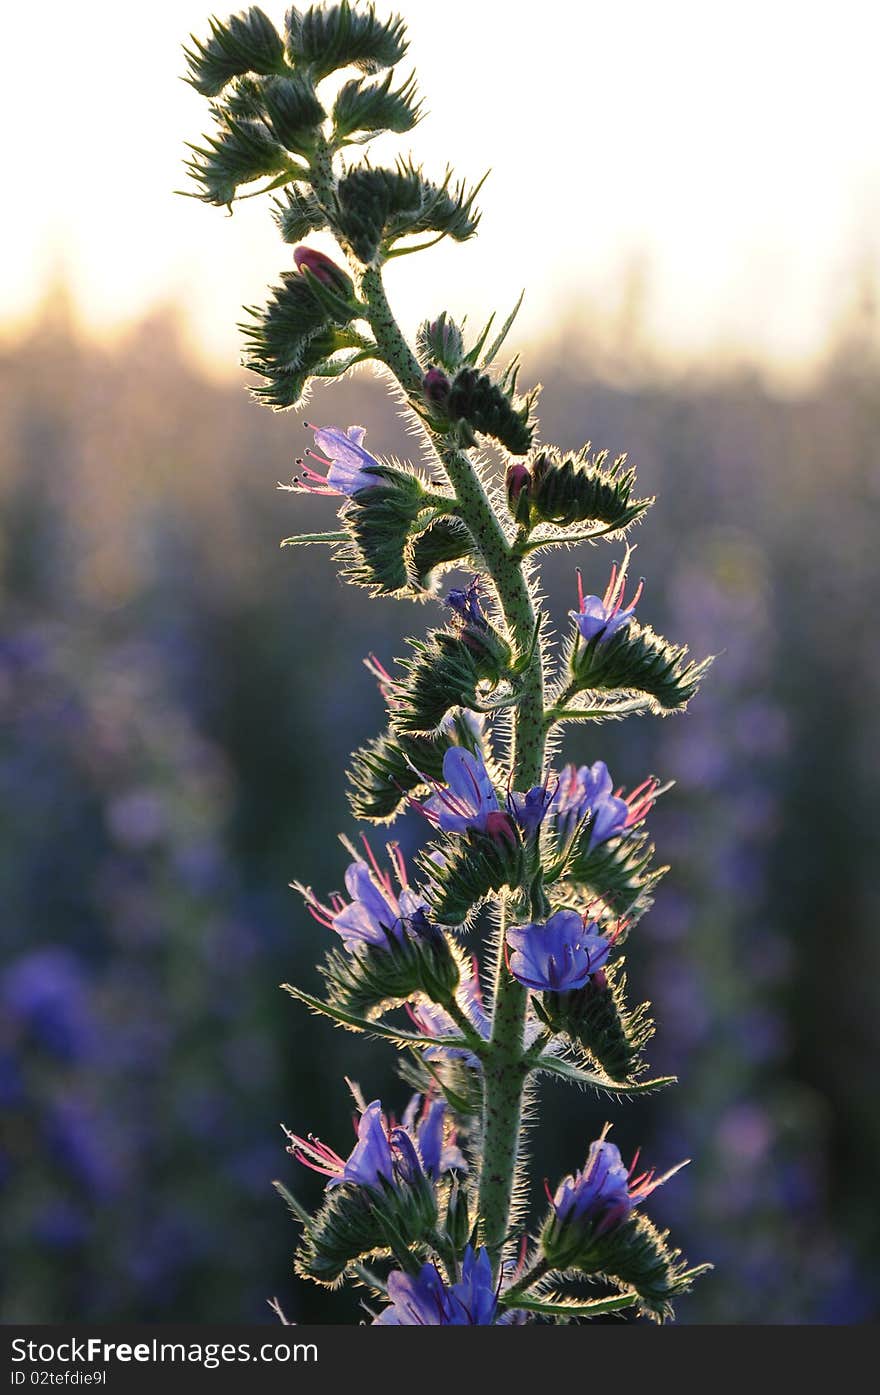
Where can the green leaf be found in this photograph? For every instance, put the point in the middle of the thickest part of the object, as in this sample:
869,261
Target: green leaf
597,1020
297,1211
595,1080
329,37
378,205
485,407
241,152
354,1023
636,660
389,768
437,547
556,1305
298,213
582,488
373,106
370,979
618,870
246,43
473,867
294,112
310,539
291,339
445,672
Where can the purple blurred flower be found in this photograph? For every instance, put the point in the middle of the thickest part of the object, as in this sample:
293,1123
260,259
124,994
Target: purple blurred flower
47,993
559,955
426,1301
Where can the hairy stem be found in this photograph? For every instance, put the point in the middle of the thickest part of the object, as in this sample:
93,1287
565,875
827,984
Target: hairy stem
504,1066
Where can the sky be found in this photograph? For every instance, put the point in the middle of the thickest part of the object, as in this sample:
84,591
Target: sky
716,164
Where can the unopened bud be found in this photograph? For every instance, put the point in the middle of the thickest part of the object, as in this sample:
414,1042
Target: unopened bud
324,269
435,386
518,482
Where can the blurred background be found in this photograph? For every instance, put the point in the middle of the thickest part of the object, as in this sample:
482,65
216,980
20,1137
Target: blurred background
692,195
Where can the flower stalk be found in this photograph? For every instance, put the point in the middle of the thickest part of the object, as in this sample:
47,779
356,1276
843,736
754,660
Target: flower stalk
546,873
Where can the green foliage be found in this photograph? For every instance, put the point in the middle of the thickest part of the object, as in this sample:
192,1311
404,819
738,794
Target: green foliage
374,106
435,549
298,213
619,870
294,112
446,671
597,1019
440,342
246,43
354,1222
385,770
242,150
379,522
583,488
636,660
376,206
473,866
329,37
291,338
631,1255
485,406
367,980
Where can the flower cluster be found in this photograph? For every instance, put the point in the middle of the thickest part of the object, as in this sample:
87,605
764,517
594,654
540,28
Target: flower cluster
546,872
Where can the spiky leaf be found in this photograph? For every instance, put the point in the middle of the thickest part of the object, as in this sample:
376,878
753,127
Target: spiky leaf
240,152
583,488
443,543
379,205
445,671
297,213
636,660
329,37
294,112
597,1019
246,43
375,106
370,979
485,407
474,866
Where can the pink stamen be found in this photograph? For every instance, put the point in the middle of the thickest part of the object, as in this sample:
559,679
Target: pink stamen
610,590
547,1191
383,878
580,577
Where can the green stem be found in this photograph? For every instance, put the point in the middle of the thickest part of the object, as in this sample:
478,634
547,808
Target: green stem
504,1066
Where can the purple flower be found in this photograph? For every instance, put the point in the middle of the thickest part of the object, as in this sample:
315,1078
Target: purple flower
529,809
601,617
466,604
469,800
559,955
426,1301
438,1154
351,468
371,1161
587,791
385,1153
376,914
605,1192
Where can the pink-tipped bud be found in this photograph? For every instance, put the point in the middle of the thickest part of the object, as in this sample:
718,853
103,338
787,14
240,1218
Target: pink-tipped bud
518,481
501,829
435,386
324,269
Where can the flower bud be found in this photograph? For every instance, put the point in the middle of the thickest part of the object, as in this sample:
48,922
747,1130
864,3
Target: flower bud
324,269
435,386
518,482
458,1220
